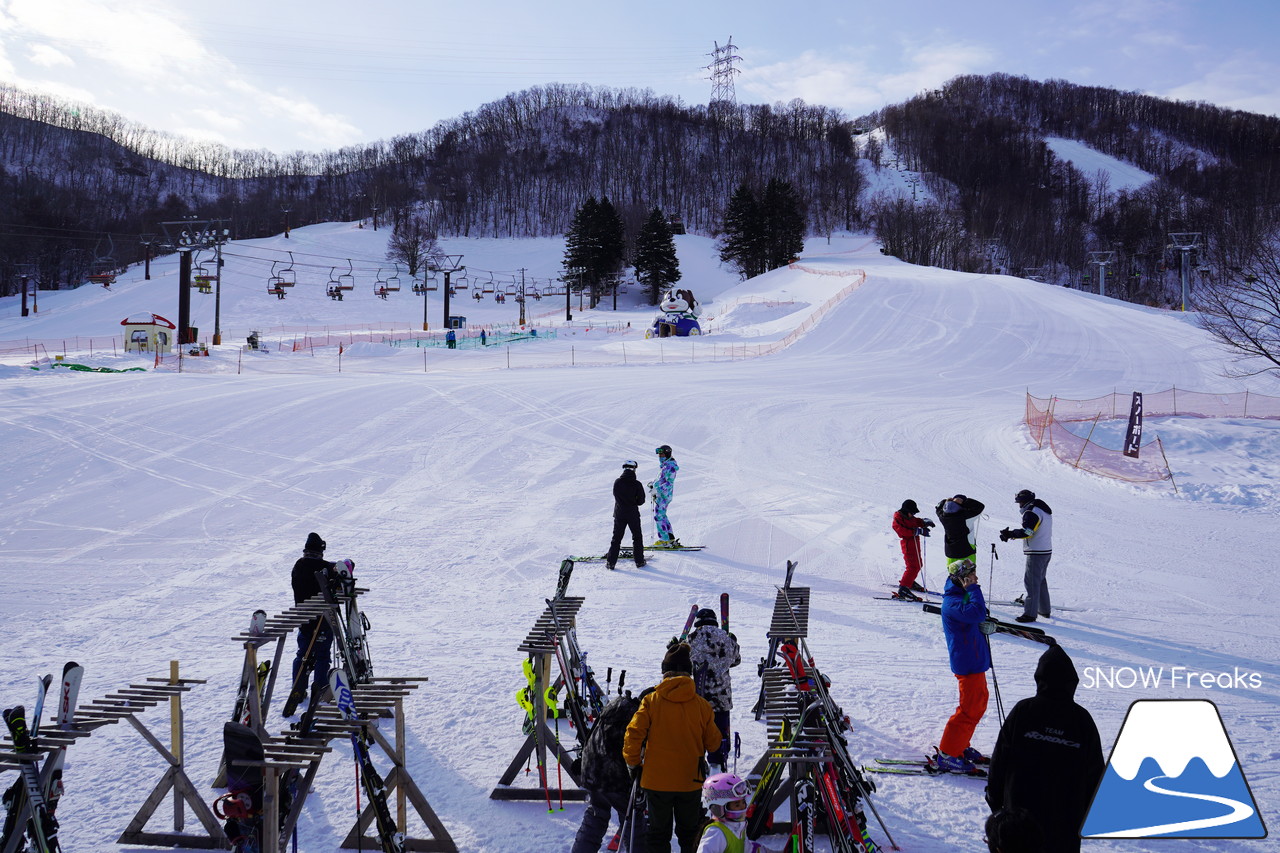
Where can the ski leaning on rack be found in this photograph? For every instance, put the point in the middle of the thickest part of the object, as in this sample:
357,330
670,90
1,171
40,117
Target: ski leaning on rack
41,826
918,767
391,840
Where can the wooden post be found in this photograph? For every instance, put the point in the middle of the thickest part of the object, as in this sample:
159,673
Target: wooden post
175,743
401,805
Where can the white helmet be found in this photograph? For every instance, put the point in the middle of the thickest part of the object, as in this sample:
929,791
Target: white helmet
720,790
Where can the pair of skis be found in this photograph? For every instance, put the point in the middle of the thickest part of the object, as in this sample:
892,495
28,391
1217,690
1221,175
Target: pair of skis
1016,629
629,553
918,767
31,802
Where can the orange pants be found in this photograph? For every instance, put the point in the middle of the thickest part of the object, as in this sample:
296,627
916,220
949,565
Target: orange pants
973,704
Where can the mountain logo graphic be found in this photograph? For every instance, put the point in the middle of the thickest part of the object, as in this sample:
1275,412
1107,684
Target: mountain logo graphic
1173,773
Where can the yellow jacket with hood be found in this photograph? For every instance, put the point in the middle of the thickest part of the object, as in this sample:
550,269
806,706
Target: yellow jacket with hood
674,727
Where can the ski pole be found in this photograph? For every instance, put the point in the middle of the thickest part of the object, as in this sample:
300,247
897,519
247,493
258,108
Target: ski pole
608,682
737,750
991,576
559,766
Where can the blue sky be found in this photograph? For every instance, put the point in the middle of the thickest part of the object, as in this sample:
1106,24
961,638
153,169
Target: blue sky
288,75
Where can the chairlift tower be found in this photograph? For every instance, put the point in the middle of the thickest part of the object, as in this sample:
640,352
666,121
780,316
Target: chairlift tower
723,71
1102,260
447,264
185,237
1185,242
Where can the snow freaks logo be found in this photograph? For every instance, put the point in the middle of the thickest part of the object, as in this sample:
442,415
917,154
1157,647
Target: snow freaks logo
1176,677
1173,774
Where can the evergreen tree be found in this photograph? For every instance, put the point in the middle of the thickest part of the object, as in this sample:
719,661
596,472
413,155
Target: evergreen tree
784,223
656,264
742,245
581,244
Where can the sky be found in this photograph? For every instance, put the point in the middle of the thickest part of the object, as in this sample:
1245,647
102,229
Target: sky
288,75
150,512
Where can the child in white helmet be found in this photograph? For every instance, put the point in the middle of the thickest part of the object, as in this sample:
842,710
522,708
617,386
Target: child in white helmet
725,796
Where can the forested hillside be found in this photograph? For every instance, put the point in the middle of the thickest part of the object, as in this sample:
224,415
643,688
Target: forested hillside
1007,202
520,167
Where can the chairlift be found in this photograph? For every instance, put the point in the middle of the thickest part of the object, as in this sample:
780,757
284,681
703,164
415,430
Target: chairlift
201,279
274,281
511,289
534,292
488,285
392,284
380,286
274,288
347,281
288,277
461,282
419,287
334,288
104,266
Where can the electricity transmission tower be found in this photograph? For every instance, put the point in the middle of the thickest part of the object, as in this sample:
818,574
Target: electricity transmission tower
723,71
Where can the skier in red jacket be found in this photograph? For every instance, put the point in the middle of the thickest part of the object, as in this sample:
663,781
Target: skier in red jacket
909,529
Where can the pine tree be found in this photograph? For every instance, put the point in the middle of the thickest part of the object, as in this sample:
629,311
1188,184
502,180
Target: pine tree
656,264
581,244
784,224
742,245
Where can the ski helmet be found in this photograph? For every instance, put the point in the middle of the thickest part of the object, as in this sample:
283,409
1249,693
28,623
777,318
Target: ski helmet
1025,496
664,450
631,463
705,616
722,789
960,568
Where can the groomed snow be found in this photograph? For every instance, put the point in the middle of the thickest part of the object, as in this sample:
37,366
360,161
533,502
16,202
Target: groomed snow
149,513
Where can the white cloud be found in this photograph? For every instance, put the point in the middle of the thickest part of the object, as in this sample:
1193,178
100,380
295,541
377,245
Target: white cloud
859,87
48,57
1243,81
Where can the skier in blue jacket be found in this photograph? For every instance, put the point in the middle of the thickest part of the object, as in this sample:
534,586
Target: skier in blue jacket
964,612
661,491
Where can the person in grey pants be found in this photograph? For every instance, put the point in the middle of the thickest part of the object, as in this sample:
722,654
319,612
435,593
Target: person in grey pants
1036,534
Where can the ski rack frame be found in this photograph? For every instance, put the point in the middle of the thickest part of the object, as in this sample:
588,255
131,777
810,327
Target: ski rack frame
781,699
126,704
380,698
540,644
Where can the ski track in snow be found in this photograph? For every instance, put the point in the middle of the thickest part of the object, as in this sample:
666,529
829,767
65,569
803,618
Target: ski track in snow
150,514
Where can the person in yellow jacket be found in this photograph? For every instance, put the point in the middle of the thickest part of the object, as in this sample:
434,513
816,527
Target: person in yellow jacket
670,732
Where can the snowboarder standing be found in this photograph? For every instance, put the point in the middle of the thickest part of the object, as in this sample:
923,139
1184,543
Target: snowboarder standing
1048,756
909,529
959,527
662,490
317,635
674,726
964,614
1036,534
628,497
714,651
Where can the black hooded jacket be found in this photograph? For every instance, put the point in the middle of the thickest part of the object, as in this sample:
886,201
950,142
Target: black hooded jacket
1048,756
628,496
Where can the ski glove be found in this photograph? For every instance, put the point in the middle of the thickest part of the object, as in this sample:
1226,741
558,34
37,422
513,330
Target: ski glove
987,626
1007,534
634,771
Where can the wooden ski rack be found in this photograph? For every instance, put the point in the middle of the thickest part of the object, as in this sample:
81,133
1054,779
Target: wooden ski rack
540,644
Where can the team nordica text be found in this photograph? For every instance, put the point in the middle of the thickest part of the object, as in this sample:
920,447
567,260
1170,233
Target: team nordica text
1154,677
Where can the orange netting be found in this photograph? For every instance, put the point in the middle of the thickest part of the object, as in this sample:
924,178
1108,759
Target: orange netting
1045,419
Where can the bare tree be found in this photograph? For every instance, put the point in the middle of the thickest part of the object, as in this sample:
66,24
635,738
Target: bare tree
413,243
1242,311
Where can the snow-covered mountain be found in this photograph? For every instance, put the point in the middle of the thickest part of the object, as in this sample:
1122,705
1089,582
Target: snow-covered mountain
149,513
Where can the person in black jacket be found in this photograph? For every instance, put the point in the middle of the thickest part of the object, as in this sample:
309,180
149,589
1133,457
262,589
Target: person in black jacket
959,539
305,586
1048,756
604,774
628,497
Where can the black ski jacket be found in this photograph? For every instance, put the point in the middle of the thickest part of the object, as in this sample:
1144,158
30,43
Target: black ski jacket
628,496
304,575
955,526
1048,756
603,770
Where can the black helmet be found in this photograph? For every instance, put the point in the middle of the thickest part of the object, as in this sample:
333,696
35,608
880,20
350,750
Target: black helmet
664,450
705,616
909,507
1025,496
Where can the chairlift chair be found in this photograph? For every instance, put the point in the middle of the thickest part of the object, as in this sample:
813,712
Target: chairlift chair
201,279
380,285
433,283
392,283
347,281
274,282
511,289
461,282
288,277
488,285
104,266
